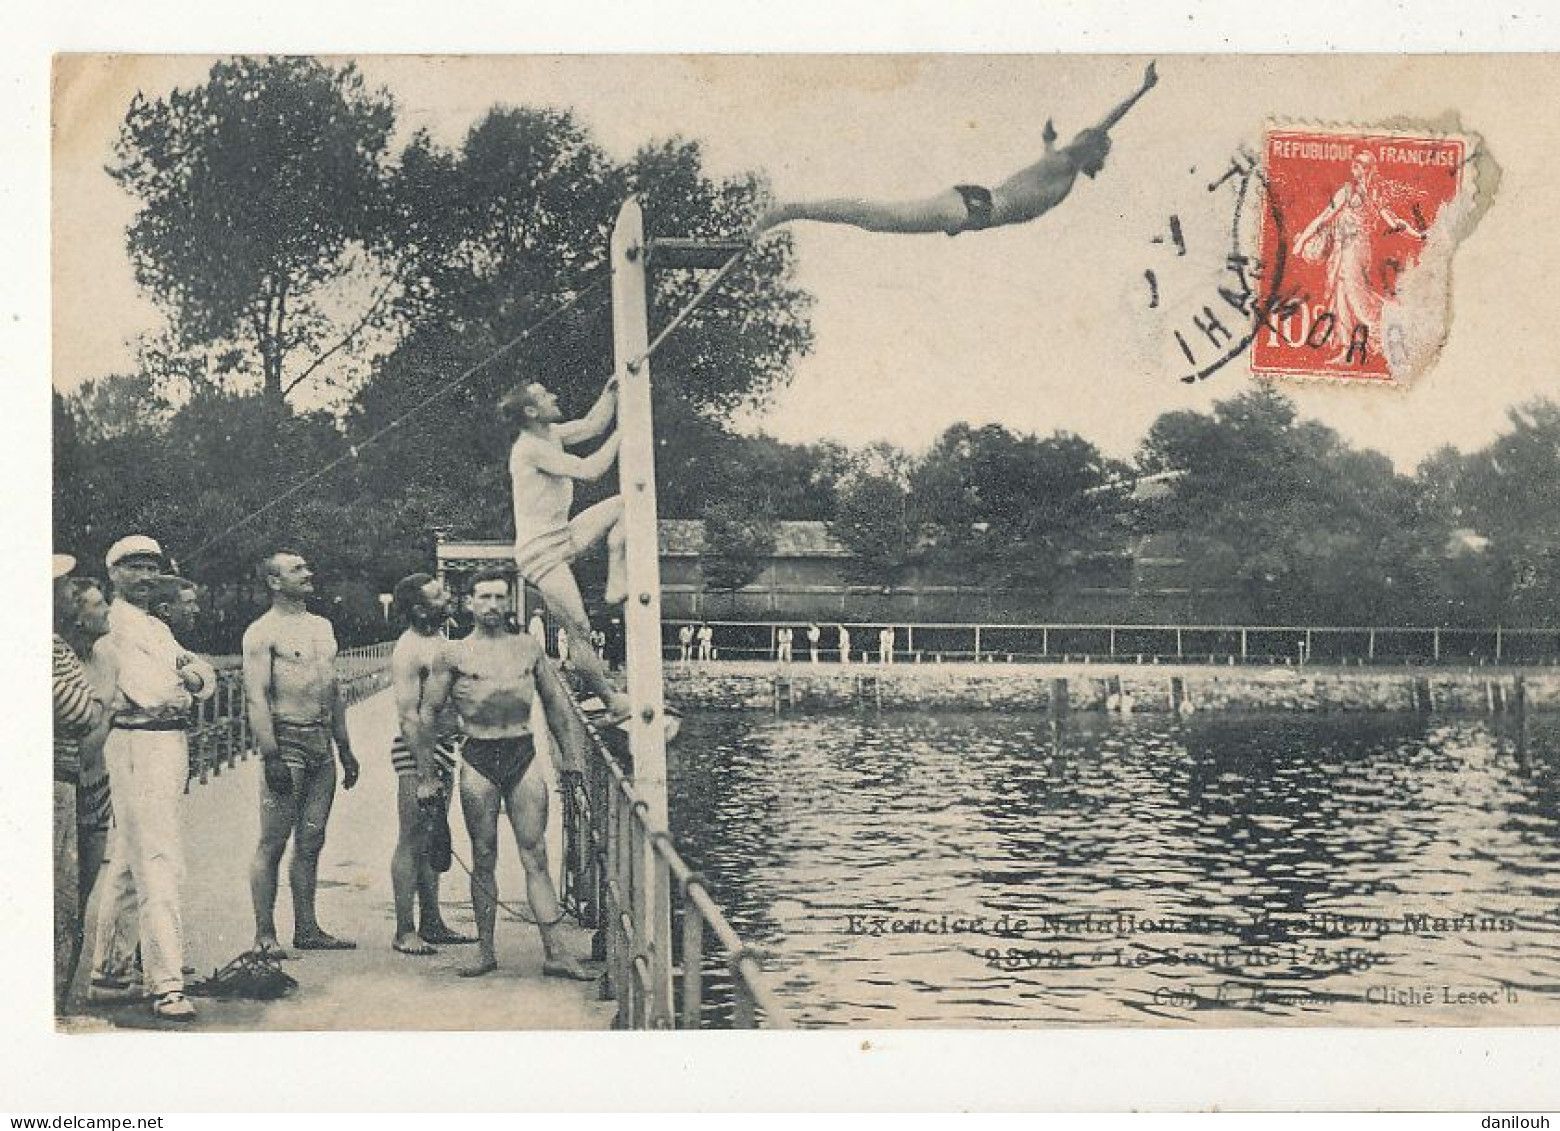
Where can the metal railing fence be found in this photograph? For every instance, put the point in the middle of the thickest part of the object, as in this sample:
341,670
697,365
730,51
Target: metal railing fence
610,851
615,860
929,642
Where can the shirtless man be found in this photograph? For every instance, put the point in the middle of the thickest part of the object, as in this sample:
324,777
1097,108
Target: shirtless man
1026,195
543,475
295,709
423,786
491,677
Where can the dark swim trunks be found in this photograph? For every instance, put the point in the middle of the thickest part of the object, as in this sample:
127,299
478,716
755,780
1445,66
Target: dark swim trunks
304,747
977,202
503,761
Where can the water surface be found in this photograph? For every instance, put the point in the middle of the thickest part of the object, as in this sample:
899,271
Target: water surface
969,869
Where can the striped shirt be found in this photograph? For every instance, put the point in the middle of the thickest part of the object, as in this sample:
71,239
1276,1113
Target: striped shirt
76,711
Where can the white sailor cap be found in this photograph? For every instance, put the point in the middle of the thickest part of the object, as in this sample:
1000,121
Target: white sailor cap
63,564
132,546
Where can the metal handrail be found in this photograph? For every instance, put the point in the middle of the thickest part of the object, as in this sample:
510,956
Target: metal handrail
829,623
1153,643
610,849
608,881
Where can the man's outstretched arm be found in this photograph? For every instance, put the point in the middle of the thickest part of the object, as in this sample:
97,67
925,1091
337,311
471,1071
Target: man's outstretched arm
1150,80
594,422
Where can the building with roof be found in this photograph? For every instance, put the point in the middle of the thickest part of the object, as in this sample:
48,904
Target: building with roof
805,578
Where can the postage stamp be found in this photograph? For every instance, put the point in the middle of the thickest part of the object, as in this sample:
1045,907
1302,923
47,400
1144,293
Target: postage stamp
1362,224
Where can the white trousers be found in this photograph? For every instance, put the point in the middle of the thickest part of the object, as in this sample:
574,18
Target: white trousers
146,775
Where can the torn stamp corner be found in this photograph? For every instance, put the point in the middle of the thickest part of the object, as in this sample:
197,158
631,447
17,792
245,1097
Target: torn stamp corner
1362,224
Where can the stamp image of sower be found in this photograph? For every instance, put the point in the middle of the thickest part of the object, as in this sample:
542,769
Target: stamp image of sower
1372,219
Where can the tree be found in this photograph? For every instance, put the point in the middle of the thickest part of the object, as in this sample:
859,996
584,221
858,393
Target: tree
1502,493
873,518
71,513
112,406
257,190
738,539
1013,510
1281,512
508,230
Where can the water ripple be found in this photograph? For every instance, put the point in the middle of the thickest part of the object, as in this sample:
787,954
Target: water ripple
1235,870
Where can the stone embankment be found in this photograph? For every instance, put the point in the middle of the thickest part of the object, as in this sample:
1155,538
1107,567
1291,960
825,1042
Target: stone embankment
999,686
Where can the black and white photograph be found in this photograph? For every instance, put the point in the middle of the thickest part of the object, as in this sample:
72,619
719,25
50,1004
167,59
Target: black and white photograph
803,542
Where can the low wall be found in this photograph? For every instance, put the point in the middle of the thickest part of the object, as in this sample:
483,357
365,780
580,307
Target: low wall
1090,687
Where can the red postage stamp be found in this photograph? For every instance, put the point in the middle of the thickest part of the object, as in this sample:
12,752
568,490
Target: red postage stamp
1359,227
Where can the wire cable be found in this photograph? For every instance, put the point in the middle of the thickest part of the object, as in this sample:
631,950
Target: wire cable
448,386
720,276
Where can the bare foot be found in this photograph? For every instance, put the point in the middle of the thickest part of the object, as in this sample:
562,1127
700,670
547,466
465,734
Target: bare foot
268,946
484,965
443,935
566,966
619,708
773,218
412,944
318,939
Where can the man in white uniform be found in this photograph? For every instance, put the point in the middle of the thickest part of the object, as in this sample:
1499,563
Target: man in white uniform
155,681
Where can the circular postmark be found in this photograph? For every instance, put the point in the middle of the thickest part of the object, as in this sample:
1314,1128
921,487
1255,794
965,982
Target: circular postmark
1249,288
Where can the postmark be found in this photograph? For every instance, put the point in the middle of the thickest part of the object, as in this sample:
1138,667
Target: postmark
1207,324
1373,218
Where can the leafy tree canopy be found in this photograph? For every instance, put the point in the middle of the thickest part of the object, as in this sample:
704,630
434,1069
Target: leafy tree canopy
256,189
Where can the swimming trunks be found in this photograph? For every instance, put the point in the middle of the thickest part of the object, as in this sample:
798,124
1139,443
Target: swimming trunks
539,556
503,761
304,747
977,203
444,752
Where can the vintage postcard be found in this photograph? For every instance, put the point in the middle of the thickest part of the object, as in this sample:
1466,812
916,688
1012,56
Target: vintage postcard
805,542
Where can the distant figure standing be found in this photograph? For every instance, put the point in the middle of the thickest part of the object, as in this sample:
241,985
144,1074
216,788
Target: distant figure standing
685,643
563,649
814,635
783,641
537,629
617,644
844,645
886,645
706,636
